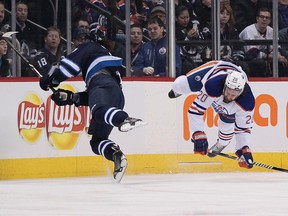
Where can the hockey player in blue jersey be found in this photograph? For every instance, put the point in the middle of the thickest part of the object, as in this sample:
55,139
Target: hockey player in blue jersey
103,95
223,86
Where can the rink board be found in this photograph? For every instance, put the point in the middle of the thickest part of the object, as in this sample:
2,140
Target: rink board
137,164
40,140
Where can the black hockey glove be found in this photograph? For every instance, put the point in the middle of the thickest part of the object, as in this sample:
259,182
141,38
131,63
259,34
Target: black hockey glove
64,97
47,82
199,139
172,94
82,99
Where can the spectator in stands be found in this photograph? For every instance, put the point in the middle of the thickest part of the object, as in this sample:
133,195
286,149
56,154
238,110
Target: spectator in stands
27,34
282,14
203,12
152,58
245,11
136,41
260,56
82,23
80,32
4,63
186,30
52,52
160,12
79,36
230,52
189,5
3,19
227,31
52,45
4,26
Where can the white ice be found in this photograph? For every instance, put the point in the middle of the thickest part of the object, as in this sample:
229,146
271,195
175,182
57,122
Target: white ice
148,195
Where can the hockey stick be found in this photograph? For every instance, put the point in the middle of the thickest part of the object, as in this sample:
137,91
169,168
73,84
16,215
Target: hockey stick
6,36
254,163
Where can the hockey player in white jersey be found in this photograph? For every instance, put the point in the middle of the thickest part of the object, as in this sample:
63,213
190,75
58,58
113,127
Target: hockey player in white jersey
223,86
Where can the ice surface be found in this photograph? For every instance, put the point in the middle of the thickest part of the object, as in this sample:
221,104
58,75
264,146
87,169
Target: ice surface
139,195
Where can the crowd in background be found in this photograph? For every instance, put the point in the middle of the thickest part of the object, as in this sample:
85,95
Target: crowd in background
239,20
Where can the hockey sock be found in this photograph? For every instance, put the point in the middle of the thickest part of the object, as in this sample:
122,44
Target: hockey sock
111,115
106,148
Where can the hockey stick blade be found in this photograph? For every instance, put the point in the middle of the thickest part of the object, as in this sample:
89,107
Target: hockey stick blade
8,34
254,163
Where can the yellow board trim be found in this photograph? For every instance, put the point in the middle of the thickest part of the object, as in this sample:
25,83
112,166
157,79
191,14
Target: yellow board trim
24,168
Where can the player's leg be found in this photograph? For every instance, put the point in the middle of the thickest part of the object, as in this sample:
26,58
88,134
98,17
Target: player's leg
225,134
106,105
102,145
106,102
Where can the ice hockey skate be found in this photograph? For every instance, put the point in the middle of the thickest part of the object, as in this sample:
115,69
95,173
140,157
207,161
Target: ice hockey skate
215,148
120,165
131,123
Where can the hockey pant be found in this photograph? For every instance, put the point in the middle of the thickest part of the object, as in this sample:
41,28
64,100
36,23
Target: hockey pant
106,101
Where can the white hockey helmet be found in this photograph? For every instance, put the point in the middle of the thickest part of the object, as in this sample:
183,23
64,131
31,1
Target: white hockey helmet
235,80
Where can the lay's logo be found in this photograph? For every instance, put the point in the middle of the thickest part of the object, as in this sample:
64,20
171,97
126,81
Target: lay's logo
64,124
31,112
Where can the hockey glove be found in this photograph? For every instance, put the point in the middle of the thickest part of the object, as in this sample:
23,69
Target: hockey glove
245,157
47,82
81,99
63,97
199,139
172,94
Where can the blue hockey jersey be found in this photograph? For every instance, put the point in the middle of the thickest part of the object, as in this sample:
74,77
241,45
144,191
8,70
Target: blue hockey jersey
86,60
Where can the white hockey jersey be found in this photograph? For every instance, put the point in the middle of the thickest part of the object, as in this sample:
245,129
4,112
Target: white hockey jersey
235,117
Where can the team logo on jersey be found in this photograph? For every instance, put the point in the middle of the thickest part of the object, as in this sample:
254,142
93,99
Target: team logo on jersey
31,113
162,50
219,109
197,78
64,124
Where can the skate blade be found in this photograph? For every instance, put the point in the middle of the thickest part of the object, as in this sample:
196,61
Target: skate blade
127,127
119,175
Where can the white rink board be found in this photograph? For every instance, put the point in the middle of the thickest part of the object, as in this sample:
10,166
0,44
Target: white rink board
146,100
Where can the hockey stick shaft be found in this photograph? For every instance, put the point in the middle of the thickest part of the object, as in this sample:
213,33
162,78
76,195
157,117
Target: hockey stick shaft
6,37
254,163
